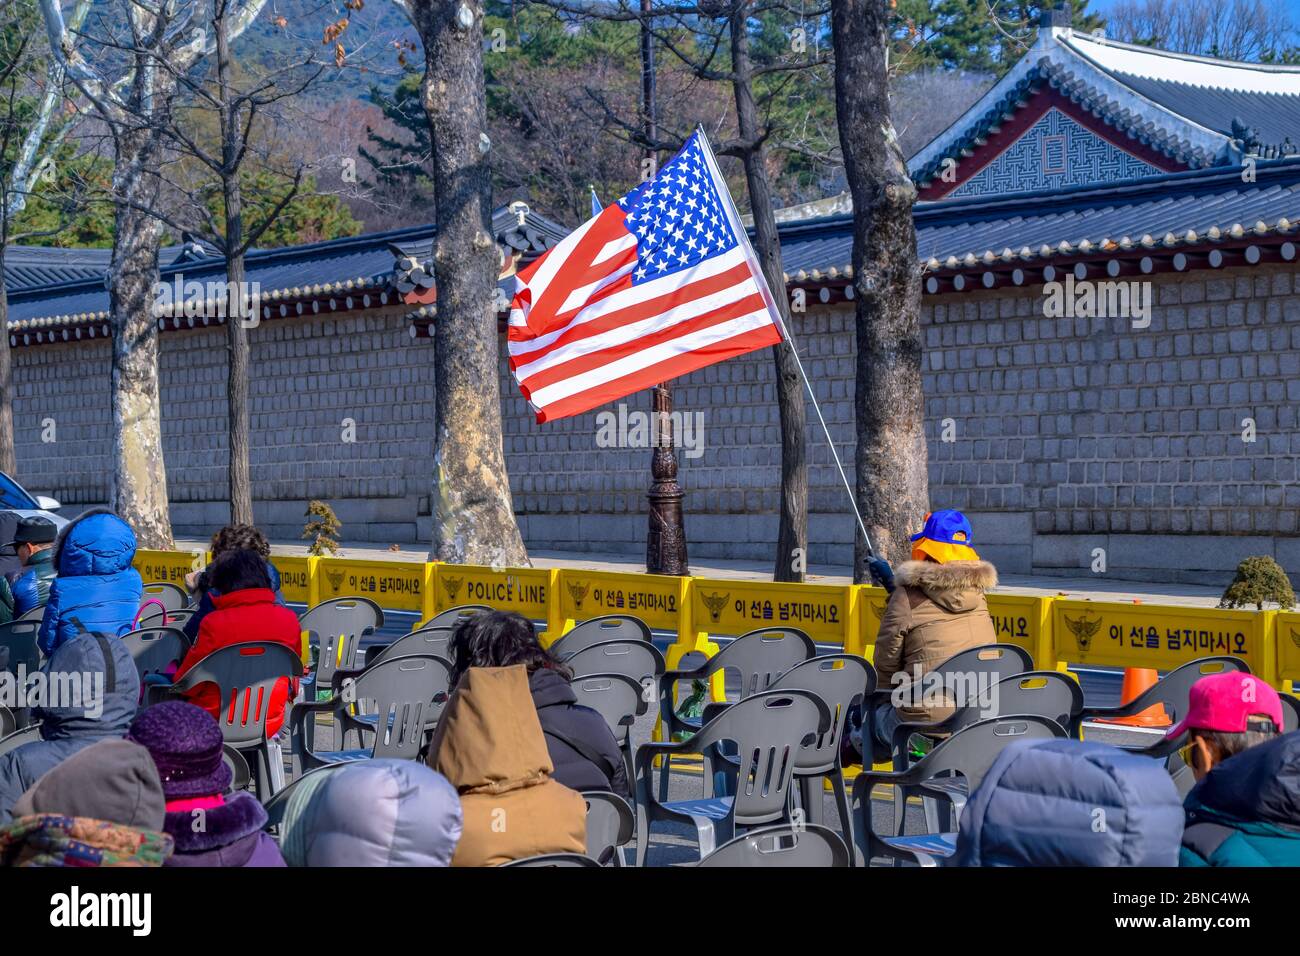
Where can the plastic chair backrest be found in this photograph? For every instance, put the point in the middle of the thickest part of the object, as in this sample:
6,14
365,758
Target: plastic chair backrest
426,642
971,751
172,596
8,722
1042,693
335,628
601,630
32,614
453,616
1175,688
19,737
635,659
995,660
554,859
610,824
408,694
783,845
839,680
245,676
18,646
174,618
768,729
155,648
1290,713
763,655
616,697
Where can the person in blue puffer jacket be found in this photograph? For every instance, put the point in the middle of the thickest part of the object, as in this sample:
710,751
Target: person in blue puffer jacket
97,589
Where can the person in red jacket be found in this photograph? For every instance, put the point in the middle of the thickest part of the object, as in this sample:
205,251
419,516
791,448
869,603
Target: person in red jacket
245,610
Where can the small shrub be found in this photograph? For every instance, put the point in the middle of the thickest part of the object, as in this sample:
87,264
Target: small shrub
1259,579
321,529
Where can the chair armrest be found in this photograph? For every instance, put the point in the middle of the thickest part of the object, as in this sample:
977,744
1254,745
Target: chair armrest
904,731
712,709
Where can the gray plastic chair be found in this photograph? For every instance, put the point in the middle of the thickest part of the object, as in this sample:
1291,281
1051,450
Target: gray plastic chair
397,701
8,723
240,772
18,646
276,805
601,630
426,642
172,596
1290,712
453,616
554,859
969,754
635,659
32,614
611,825
154,649
245,676
767,730
620,700
335,629
840,680
784,845
1043,693
19,737
1173,690
758,658
173,618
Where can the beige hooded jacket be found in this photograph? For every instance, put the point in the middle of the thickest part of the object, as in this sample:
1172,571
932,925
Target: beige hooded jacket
489,744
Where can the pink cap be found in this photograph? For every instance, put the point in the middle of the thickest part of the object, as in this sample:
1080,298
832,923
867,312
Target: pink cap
1223,702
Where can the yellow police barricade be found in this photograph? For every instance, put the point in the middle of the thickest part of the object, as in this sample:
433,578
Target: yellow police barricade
528,591
170,566
1286,641
869,609
1163,637
1025,621
657,599
393,585
298,582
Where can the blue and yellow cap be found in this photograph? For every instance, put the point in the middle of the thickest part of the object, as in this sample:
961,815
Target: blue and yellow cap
945,537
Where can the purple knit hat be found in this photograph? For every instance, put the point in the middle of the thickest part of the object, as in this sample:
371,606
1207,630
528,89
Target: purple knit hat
186,745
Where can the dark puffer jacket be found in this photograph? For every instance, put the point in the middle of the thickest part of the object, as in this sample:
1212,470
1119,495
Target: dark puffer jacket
31,588
570,730
1246,811
67,730
1071,803
97,589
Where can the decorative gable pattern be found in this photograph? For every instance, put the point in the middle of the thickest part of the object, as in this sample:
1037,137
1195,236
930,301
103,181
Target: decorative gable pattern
1053,153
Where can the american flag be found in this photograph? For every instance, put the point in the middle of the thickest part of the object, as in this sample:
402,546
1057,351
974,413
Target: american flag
659,284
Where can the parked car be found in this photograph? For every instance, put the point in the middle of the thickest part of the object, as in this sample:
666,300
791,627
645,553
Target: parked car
17,500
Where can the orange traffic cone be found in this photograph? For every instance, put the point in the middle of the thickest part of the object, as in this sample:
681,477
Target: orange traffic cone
1136,681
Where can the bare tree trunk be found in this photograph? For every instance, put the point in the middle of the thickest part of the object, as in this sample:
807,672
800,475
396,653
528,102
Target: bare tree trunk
473,514
792,534
138,491
8,454
892,487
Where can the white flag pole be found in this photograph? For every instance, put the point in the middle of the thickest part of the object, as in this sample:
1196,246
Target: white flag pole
738,227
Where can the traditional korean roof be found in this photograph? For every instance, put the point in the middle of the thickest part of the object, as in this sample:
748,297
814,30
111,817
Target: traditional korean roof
29,267
1200,218
337,275
1140,110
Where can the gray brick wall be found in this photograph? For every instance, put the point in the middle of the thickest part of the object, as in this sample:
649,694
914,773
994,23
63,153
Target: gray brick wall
1067,433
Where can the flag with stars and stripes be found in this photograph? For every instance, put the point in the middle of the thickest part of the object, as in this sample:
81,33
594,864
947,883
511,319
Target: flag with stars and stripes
659,284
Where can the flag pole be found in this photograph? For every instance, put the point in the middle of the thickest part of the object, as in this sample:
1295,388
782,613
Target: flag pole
742,236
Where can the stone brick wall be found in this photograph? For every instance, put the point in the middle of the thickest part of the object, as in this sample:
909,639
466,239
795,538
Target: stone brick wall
1066,434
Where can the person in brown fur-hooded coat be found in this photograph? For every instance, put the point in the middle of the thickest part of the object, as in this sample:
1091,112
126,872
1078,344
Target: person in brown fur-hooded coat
936,609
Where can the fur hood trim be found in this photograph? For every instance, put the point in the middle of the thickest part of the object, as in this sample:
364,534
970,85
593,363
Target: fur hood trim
952,576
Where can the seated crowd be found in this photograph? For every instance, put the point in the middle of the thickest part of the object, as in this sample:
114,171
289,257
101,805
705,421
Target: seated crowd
112,782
